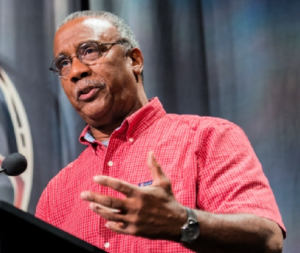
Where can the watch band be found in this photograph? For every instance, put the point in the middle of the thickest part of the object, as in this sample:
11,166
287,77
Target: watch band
191,214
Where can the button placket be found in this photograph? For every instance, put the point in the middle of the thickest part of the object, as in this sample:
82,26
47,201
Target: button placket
106,245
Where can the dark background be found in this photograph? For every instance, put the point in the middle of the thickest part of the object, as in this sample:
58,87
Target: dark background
235,59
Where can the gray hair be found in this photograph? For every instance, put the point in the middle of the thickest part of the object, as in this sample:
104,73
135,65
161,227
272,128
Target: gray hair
124,31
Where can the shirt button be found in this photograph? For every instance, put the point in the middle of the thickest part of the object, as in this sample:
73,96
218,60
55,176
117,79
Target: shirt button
106,245
131,139
110,163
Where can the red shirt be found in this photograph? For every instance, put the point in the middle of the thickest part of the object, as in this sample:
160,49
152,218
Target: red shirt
209,161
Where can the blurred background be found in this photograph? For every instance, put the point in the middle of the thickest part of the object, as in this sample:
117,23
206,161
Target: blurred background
234,59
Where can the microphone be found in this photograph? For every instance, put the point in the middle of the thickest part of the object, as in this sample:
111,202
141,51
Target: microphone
14,164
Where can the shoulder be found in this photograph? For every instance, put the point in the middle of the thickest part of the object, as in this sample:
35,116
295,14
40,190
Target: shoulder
63,176
206,133
190,118
67,174
57,184
57,191
43,208
201,124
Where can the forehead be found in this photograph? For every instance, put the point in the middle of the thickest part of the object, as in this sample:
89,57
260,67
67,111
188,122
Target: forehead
75,32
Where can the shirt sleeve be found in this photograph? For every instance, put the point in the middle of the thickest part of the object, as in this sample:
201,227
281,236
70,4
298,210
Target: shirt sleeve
230,178
42,208
49,207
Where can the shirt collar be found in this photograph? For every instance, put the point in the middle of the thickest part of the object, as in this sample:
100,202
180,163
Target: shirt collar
86,136
139,121
135,124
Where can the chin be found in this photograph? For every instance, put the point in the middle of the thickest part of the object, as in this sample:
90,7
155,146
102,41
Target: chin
93,116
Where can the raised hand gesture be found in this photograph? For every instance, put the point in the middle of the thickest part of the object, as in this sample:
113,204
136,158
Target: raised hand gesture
150,211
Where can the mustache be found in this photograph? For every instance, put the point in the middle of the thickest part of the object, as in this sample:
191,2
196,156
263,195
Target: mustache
86,83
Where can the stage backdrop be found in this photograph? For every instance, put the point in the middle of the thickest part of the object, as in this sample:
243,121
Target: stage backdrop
235,59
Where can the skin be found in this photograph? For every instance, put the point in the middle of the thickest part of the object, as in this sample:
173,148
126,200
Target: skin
122,95
153,206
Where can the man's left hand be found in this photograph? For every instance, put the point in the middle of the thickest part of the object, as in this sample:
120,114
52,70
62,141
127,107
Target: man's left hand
151,211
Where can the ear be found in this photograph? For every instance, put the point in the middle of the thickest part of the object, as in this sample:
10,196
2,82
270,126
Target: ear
137,61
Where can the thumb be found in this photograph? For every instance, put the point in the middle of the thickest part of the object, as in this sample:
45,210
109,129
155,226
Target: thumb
156,171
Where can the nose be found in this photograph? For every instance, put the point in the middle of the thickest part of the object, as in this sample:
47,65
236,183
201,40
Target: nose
78,70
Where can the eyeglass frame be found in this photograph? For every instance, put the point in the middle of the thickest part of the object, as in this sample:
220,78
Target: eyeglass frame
56,72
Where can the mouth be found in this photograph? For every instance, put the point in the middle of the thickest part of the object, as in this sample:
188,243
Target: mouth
89,91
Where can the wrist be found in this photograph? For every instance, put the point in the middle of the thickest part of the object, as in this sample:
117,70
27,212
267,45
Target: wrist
174,227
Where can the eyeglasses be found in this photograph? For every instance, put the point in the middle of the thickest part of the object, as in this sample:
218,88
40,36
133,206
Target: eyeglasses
87,53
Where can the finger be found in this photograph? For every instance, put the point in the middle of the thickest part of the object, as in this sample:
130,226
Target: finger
156,171
118,227
103,201
107,208
107,214
116,184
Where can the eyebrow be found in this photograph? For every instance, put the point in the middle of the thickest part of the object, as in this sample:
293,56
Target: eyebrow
87,41
77,45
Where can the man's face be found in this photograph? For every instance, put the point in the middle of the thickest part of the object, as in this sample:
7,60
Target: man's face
105,91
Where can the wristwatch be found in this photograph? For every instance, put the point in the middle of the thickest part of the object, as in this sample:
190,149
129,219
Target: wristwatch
190,230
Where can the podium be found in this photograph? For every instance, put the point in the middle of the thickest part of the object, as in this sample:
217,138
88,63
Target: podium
22,232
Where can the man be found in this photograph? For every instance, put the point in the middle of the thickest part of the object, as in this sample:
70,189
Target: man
189,182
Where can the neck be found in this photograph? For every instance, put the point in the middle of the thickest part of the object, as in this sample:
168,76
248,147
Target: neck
103,133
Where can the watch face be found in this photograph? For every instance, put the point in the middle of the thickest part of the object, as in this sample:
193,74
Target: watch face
193,231
190,232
